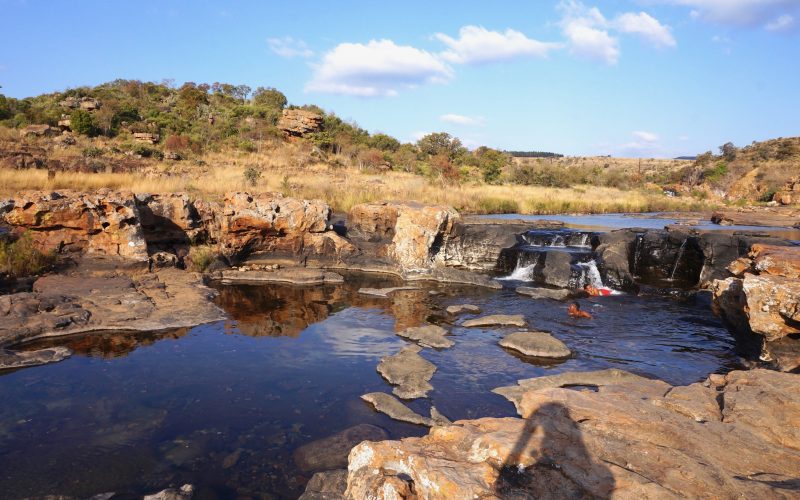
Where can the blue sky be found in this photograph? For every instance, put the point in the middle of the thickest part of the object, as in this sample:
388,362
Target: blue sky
623,77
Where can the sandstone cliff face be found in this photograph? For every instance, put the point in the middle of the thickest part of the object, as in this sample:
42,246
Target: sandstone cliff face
410,234
299,122
762,302
729,437
102,223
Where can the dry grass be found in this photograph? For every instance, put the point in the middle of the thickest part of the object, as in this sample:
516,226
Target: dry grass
342,188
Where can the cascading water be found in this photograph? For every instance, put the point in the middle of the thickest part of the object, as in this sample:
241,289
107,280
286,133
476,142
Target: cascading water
523,272
678,260
529,258
590,275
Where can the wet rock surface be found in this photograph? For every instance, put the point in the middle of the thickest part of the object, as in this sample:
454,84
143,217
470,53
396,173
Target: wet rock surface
11,359
88,300
185,492
409,372
433,336
331,452
496,320
536,344
568,444
294,276
544,293
388,404
462,309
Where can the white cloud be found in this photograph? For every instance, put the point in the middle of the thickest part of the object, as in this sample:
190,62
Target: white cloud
782,23
289,47
476,45
642,135
585,29
379,68
647,27
461,119
742,12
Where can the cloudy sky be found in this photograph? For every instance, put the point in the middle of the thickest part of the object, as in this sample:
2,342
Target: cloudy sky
623,77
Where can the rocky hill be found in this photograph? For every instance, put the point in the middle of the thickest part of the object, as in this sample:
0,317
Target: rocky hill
761,172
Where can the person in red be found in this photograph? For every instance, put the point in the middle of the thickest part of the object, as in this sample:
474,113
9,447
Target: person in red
597,292
574,310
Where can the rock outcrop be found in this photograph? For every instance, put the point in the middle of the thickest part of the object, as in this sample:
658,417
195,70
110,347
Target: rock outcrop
331,452
299,122
790,194
409,234
729,437
536,344
762,303
90,300
409,372
102,223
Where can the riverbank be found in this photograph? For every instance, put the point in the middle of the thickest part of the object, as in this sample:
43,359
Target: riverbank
435,306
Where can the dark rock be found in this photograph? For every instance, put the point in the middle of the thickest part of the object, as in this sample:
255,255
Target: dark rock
331,452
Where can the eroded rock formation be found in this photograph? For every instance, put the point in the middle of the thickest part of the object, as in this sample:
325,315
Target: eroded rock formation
299,122
762,302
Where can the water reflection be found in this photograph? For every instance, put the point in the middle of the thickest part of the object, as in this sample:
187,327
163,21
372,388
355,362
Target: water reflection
223,406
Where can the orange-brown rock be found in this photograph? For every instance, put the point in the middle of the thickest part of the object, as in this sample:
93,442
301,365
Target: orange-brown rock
730,438
299,122
776,260
269,222
410,234
169,219
104,223
790,194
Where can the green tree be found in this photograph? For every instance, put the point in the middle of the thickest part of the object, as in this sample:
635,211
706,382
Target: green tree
491,163
269,97
82,122
728,151
384,142
441,143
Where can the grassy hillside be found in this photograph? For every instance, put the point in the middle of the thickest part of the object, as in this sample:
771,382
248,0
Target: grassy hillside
211,138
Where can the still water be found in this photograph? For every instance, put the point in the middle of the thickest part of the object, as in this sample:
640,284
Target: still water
224,405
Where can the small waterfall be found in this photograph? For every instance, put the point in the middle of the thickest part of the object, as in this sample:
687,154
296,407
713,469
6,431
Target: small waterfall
590,275
678,260
524,269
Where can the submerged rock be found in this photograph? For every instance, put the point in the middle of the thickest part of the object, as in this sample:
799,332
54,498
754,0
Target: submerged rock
391,406
409,372
184,493
544,293
428,336
331,452
463,308
21,359
496,320
537,344
329,485
637,438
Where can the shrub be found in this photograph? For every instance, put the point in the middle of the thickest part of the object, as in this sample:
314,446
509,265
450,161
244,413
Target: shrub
92,152
23,258
82,122
252,175
200,257
177,143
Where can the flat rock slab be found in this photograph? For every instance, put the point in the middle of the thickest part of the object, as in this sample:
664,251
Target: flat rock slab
291,276
544,293
496,320
384,292
428,336
537,344
463,308
409,371
11,359
331,452
390,405
87,301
